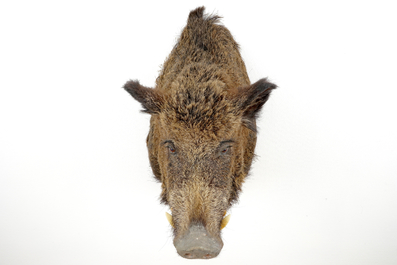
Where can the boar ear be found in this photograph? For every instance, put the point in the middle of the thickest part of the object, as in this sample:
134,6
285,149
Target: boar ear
250,99
149,98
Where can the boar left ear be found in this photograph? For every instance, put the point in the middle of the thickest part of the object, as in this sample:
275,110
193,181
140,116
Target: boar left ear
250,99
149,98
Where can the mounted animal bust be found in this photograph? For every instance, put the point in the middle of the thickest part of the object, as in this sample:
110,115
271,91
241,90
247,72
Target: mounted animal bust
202,131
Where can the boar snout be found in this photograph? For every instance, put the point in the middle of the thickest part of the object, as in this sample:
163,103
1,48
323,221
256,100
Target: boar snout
197,243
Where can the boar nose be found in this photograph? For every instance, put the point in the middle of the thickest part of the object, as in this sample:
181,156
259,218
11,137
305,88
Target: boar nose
197,243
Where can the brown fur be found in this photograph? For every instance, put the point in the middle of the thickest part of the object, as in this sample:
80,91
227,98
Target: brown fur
202,130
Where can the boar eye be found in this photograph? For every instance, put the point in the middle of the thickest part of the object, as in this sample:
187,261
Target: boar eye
171,149
170,145
224,150
225,146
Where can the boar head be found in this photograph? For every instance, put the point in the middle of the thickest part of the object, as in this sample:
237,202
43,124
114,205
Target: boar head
201,144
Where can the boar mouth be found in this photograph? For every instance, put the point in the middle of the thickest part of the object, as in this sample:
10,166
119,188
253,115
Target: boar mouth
197,243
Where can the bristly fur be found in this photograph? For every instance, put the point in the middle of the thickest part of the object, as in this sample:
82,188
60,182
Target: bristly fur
203,126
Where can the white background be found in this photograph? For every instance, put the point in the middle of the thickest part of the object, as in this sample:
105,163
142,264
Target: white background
75,182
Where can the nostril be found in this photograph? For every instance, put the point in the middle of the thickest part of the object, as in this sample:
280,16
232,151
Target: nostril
188,255
208,256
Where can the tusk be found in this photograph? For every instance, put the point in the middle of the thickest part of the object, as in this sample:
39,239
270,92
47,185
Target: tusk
169,218
225,221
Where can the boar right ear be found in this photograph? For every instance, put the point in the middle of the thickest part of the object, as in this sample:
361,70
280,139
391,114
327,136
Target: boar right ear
250,99
149,98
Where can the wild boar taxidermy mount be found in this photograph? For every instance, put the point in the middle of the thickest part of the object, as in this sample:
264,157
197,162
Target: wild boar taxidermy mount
202,133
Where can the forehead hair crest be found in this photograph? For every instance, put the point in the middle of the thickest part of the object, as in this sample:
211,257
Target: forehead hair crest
203,106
